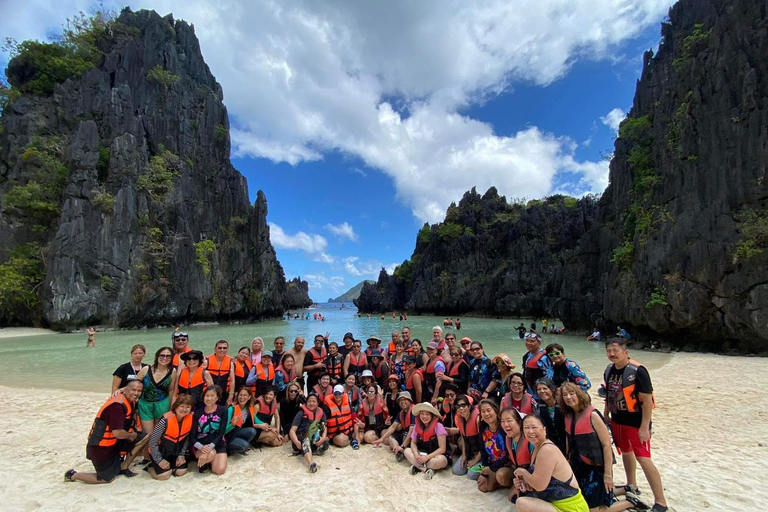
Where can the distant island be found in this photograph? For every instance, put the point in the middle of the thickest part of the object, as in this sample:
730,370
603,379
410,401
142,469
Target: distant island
351,294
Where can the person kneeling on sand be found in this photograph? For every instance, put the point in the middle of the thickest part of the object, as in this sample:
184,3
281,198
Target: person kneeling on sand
208,443
426,447
169,441
398,431
340,417
308,431
113,442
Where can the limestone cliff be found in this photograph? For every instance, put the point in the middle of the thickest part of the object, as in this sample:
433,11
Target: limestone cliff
119,203
677,246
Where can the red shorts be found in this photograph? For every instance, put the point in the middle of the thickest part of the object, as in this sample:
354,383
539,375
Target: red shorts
627,440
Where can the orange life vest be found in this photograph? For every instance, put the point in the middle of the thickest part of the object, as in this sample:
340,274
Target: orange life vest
193,385
322,395
404,418
531,370
237,411
175,432
583,439
378,407
242,369
177,354
265,374
340,418
452,369
627,388
101,434
409,382
220,371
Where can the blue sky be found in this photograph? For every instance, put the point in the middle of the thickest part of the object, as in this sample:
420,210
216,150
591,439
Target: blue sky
363,120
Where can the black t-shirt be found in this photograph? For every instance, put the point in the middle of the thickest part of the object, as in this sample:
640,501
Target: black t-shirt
126,373
343,350
303,424
114,416
613,393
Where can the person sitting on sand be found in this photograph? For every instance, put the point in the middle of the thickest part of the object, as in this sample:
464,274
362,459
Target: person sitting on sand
468,422
493,453
396,434
159,384
518,447
549,479
372,414
266,412
209,446
169,441
566,370
352,392
550,413
130,370
241,424
427,446
589,452
193,379
341,423
517,396
595,336
308,431
113,441
289,406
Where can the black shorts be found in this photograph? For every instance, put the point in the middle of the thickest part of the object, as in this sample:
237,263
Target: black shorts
107,470
399,437
172,462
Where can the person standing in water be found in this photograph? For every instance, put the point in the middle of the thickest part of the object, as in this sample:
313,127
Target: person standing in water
91,332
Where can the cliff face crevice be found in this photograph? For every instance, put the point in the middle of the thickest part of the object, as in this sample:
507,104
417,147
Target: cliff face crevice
151,223
678,246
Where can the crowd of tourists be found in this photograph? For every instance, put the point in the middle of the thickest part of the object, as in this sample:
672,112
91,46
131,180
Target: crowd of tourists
446,406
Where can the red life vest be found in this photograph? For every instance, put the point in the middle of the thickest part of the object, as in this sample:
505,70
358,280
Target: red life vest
531,370
583,438
468,428
404,418
526,403
357,364
318,357
334,365
288,376
340,419
520,455
409,383
429,372
266,411
318,415
220,371
355,395
323,394
101,434
426,438
452,369
378,370
378,407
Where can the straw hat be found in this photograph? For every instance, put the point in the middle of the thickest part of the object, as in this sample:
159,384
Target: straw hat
425,406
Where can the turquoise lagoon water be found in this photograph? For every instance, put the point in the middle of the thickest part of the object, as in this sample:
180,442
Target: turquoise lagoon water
62,361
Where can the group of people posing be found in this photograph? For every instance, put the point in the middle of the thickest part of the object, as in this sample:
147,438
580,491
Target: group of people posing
445,405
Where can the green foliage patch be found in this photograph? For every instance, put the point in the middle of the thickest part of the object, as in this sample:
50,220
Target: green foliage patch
162,77
658,298
449,232
753,227
20,276
162,171
203,251
424,236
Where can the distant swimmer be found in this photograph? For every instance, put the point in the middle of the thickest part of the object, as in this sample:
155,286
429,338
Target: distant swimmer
91,332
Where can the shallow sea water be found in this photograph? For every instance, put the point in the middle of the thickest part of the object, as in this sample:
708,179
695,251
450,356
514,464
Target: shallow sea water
62,361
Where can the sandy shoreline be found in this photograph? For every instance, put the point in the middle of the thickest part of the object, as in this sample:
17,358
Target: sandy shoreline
706,445
17,332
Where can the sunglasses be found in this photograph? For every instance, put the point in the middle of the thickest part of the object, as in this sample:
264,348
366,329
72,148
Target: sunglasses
461,406
293,391
475,349
371,391
501,363
516,384
450,395
554,353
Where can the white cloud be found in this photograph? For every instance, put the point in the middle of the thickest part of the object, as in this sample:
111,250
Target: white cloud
331,284
305,77
299,241
325,258
361,172
613,119
343,230
355,267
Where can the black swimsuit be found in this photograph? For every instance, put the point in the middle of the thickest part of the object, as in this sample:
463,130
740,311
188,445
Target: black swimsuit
556,489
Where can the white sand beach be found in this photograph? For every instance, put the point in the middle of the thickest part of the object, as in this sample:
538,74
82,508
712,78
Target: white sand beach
17,332
709,444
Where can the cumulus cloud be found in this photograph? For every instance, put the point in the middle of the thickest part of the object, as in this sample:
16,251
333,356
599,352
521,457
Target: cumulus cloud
335,284
300,241
385,82
325,258
343,230
358,268
613,119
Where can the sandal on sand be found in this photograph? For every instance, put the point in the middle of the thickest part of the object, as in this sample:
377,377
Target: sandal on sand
628,488
429,474
414,470
659,508
355,444
313,467
128,473
399,457
635,501
68,475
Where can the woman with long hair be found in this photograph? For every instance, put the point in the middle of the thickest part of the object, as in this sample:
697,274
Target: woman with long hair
290,405
550,413
518,447
159,387
427,446
496,471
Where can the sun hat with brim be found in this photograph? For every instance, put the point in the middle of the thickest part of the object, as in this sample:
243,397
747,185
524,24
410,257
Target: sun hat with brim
374,337
266,354
425,406
505,359
393,377
192,354
404,394
366,373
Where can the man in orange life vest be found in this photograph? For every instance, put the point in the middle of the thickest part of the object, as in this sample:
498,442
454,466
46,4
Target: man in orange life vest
629,404
113,442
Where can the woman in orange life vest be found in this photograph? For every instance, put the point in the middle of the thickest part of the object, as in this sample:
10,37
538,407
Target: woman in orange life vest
518,447
456,371
352,392
378,367
427,447
589,451
396,434
159,387
550,413
284,374
222,370
341,419
392,387
193,379
334,364
496,471
266,411
262,375
308,431
549,475
413,378
396,364
468,421
446,406
113,442
435,366
243,366
169,442
372,414
355,362
209,424
241,423
323,388
517,396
